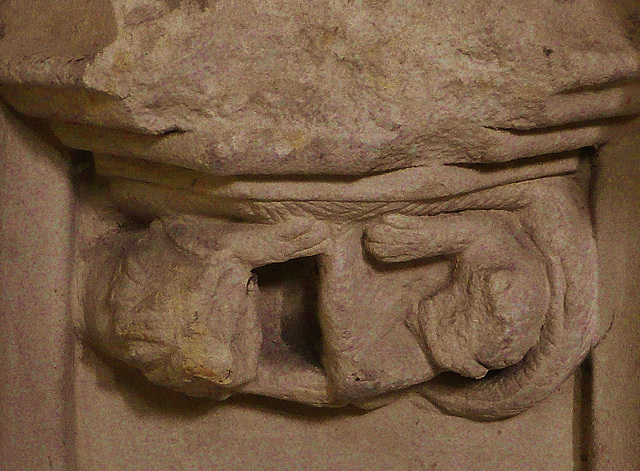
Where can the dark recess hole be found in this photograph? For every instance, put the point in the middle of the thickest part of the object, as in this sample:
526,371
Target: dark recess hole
83,166
288,309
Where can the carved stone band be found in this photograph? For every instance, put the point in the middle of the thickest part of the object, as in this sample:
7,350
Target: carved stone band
496,286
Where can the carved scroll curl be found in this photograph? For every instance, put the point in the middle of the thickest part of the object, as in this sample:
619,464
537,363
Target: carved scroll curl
522,301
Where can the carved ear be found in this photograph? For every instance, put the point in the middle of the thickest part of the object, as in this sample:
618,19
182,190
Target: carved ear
560,230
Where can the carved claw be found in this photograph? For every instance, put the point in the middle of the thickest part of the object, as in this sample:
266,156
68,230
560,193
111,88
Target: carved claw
399,238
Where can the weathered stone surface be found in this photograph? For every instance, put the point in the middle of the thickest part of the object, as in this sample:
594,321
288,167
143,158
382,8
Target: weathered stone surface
341,87
401,178
385,128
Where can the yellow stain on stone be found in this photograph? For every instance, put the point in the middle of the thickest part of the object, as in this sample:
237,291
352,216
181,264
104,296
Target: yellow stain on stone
297,140
122,60
387,83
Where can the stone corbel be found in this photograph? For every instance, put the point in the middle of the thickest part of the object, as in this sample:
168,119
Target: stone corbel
481,298
415,161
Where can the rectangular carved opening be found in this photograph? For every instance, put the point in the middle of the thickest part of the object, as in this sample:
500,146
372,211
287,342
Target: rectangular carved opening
287,307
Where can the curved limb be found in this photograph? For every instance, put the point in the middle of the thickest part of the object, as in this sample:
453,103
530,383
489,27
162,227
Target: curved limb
558,226
491,313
